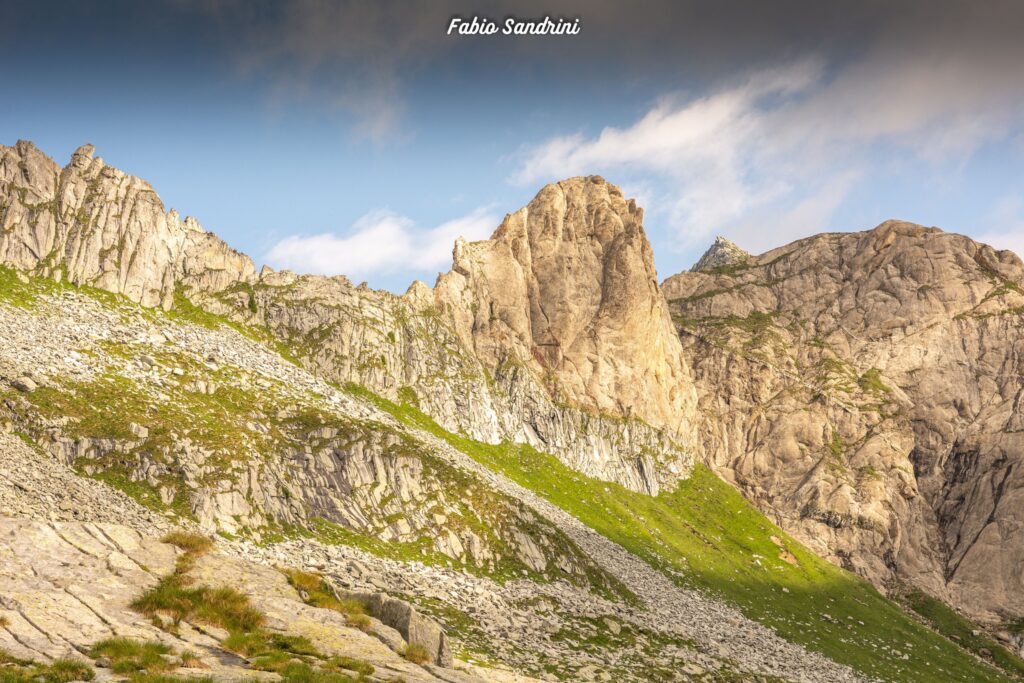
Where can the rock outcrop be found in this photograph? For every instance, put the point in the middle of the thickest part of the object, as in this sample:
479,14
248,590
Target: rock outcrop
410,624
722,254
141,418
551,333
68,586
866,389
220,429
567,287
94,225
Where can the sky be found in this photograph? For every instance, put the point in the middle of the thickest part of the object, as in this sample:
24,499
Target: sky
357,138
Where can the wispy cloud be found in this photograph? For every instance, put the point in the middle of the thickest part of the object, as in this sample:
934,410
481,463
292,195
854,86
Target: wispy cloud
352,57
380,243
710,151
771,156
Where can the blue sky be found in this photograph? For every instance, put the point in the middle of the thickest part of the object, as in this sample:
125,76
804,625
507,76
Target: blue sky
356,138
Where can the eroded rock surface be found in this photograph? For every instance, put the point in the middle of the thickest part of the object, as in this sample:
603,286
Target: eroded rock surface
68,586
594,319
551,333
866,389
95,225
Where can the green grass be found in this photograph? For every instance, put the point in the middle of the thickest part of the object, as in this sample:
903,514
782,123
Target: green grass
871,381
293,657
15,292
146,677
316,592
706,536
949,623
319,594
301,672
416,653
16,670
128,656
175,597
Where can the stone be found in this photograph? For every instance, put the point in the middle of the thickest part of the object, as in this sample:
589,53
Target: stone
722,254
24,384
614,627
73,584
414,628
126,222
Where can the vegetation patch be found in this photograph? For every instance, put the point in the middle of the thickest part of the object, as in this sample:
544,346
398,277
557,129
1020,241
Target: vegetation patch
704,535
127,655
176,598
191,543
871,381
487,511
315,591
950,623
17,670
293,657
416,653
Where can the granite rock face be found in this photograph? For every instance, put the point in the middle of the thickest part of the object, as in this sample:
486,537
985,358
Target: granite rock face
68,585
866,390
723,253
567,287
95,225
552,333
118,431
221,429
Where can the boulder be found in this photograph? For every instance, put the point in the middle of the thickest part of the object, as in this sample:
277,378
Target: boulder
414,627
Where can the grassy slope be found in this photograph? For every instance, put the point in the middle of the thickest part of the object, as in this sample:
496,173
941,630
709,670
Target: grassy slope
106,406
705,535
948,622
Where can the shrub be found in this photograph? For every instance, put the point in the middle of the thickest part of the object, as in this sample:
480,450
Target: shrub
190,660
64,671
191,543
338,663
359,621
224,607
416,653
300,672
318,593
165,678
264,643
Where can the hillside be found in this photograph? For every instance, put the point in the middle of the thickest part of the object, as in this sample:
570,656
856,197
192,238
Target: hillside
524,472
865,389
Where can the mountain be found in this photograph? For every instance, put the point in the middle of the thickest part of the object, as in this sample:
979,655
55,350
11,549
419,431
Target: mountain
865,389
508,475
503,363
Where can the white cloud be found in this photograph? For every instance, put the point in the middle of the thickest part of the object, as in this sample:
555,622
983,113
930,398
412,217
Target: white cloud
380,243
708,148
772,156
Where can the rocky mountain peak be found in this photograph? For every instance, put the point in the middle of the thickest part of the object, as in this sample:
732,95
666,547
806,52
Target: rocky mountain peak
567,286
879,376
723,252
96,225
555,322
82,156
